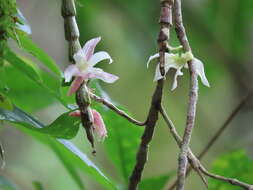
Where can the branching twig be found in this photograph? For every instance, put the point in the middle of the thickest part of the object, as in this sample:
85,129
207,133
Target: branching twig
232,181
193,96
195,162
225,124
218,133
179,141
163,37
116,110
72,36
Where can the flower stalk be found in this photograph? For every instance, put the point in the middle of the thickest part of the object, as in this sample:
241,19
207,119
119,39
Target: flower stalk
163,37
72,36
193,95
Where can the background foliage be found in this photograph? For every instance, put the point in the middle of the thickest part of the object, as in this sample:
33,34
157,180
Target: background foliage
220,33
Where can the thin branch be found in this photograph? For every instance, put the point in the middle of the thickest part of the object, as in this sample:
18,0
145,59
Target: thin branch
194,160
163,37
220,131
225,124
72,36
116,110
232,181
193,96
141,156
179,141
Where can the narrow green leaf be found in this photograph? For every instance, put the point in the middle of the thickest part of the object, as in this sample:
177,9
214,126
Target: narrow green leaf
64,158
24,90
157,183
5,184
68,153
5,102
29,46
65,126
27,89
23,65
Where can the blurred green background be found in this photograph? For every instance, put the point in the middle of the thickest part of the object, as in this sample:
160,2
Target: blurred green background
220,33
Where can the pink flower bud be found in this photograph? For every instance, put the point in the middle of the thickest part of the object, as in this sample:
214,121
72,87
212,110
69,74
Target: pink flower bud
76,113
99,125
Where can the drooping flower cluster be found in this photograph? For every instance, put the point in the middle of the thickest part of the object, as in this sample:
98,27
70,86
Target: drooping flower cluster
179,61
83,70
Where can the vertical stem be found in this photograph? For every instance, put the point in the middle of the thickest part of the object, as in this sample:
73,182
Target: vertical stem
141,157
193,96
72,36
163,37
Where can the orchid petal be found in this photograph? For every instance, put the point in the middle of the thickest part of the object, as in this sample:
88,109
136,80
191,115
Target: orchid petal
168,58
151,58
89,47
79,57
76,113
168,66
99,125
70,71
99,56
104,76
84,75
200,71
75,85
178,73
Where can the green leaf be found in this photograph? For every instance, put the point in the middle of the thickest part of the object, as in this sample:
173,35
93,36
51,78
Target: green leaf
29,46
24,91
156,183
5,184
37,185
23,65
49,83
65,126
122,142
5,102
71,157
233,165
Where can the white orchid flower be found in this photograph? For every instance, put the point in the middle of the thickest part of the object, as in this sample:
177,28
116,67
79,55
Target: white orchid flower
178,62
84,69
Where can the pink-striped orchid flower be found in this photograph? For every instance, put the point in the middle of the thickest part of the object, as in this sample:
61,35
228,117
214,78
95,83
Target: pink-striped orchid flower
84,69
99,125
